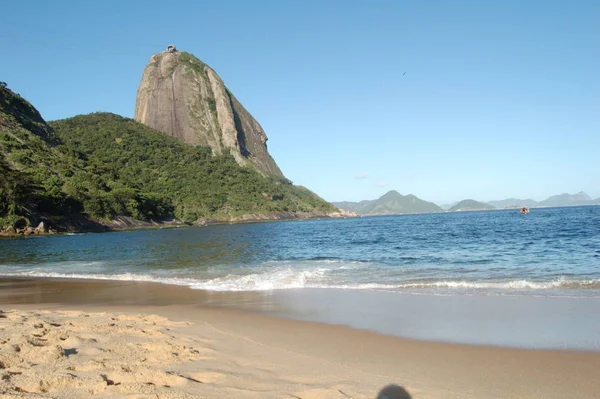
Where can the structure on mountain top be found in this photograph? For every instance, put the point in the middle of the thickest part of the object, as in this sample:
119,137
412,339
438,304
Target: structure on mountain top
171,48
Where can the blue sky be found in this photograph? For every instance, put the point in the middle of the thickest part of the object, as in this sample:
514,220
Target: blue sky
500,98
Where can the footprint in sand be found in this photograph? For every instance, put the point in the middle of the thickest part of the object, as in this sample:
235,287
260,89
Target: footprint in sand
207,377
324,394
44,353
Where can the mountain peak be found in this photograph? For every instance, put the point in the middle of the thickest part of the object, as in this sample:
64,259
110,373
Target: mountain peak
183,97
582,195
391,203
391,193
22,114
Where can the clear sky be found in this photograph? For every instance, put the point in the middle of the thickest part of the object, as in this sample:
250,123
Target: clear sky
442,99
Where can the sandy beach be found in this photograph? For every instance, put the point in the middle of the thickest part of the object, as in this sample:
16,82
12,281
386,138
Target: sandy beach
166,345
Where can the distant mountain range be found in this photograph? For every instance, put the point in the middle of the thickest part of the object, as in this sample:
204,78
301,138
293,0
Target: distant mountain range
580,198
390,203
393,202
513,203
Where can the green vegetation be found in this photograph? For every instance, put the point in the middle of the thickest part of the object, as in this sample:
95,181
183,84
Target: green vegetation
16,112
14,189
103,165
192,62
212,105
195,183
28,168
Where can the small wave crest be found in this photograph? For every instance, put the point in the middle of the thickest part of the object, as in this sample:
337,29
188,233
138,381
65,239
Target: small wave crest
272,275
321,278
508,285
285,278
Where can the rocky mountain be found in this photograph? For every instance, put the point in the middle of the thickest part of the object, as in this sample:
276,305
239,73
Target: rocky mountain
470,205
389,204
183,97
104,171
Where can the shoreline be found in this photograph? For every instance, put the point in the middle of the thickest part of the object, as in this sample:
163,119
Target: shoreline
510,322
125,223
85,292
473,210
259,356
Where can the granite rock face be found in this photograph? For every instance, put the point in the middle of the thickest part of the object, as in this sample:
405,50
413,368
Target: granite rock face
185,98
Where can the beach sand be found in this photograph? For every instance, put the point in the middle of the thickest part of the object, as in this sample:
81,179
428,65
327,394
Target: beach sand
78,339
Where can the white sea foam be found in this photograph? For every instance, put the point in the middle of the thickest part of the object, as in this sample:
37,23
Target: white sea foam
281,275
508,285
285,278
289,278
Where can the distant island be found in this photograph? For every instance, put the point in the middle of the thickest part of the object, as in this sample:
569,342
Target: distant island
565,199
471,205
394,203
390,203
513,203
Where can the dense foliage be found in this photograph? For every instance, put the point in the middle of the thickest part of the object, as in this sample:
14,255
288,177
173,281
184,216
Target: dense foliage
132,158
103,165
29,180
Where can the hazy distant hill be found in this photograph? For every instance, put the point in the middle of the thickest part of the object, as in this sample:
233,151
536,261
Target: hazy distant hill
390,203
470,205
514,203
351,206
448,206
580,198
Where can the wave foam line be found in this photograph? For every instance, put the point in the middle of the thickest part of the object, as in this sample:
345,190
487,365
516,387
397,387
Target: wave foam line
290,278
508,285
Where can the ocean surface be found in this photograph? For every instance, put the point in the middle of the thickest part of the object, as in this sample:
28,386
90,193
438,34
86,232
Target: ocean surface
549,254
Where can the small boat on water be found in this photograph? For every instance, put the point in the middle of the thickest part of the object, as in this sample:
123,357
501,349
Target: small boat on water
524,210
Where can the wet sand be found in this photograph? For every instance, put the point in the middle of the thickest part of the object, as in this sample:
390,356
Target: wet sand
508,321
83,338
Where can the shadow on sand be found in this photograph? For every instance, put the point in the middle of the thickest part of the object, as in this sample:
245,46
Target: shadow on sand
393,391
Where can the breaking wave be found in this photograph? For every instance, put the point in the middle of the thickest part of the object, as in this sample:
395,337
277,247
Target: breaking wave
324,274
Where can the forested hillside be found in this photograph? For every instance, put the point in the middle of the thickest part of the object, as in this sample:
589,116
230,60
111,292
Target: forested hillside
101,166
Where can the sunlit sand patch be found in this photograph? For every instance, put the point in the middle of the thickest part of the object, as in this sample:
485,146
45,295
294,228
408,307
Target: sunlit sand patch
51,352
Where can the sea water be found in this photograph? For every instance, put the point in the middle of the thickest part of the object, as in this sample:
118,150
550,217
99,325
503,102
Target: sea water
492,277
